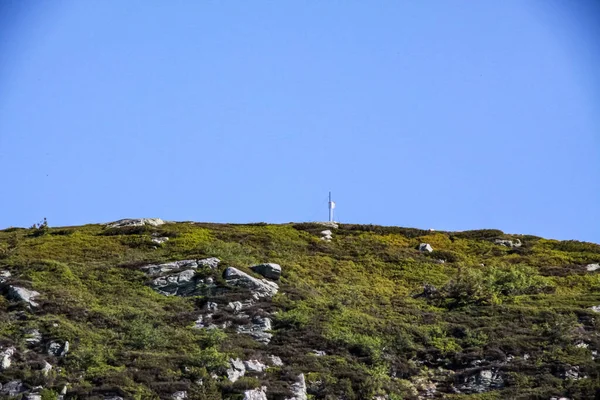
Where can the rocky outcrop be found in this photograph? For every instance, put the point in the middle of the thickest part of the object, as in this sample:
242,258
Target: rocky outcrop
236,370
258,287
46,368
179,284
483,381
21,294
592,267
57,350
4,275
326,235
6,357
425,247
12,388
181,395
298,389
256,394
269,270
33,337
136,222
258,329
155,269
254,366
275,361
211,262
508,243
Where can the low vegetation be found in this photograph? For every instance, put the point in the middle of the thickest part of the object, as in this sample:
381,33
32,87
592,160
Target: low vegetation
366,314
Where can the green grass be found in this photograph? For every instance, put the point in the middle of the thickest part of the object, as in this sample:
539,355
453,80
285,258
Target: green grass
358,298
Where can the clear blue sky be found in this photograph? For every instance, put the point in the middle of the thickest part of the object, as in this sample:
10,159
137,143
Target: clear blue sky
451,115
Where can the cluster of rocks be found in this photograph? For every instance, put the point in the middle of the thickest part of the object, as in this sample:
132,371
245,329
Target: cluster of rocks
178,278
508,243
135,222
326,235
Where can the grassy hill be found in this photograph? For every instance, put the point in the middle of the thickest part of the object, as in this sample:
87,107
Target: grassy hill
367,315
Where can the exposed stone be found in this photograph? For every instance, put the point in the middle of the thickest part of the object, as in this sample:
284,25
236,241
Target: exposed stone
199,323
332,225
113,398
319,353
573,373
276,361
258,329
592,267
12,388
256,394
425,247
21,294
236,370
212,306
4,275
326,235
595,308
212,262
154,269
33,337
254,366
47,368
235,306
179,284
6,357
33,396
298,389
259,287
269,270
135,222
181,395
160,239
57,350
508,243
484,381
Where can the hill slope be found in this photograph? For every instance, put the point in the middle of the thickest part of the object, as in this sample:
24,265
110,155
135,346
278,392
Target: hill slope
98,312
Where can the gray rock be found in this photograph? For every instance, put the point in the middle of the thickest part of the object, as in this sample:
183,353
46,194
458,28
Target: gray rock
276,361
212,262
160,239
298,389
135,222
258,287
484,381
21,294
326,235
181,395
256,394
33,337
269,270
425,247
254,366
199,323
179,284
212,307
319,353
6,357
12,388
236,370
573,373
154,269
235,306
57,350
258,329
4,275
47,368
508,243
33,396
595,308
113,398
592,267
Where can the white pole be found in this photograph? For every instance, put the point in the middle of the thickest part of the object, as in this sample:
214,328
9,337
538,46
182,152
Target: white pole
330,209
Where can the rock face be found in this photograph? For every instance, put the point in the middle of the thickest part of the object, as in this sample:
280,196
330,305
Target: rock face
179,284
136,222
425,247
592,267
212,262
484,381
258,287
269,270
12,388
155,269
21,294
236,370
258,329
298,389
508,243
256,394
6,357
254,366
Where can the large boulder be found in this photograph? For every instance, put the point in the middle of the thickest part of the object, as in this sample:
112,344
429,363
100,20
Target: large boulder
254,366
256,394
298,389
258,287
179,284
425,247
236,370
135,222
269,270
6,357
21,294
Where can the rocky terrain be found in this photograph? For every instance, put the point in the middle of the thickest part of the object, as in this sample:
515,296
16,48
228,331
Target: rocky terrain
148,309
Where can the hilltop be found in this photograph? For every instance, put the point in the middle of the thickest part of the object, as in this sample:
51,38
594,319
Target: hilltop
143,309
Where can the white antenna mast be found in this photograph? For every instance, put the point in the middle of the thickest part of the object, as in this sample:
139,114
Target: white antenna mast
331,207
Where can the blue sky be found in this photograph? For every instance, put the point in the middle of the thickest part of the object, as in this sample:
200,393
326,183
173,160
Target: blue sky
451,115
